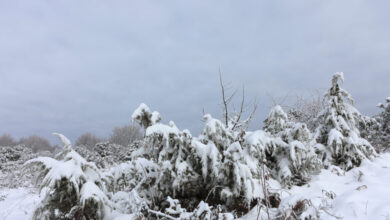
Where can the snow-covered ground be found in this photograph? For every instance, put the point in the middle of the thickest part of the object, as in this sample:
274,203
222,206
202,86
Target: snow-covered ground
17,204
362,193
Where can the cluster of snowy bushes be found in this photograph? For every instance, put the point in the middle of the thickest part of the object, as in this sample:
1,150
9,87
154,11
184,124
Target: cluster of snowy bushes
11,166
106,154
220,174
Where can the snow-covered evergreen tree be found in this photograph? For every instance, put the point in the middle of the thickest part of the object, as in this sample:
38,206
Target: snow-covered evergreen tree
291,158
71,187
339,128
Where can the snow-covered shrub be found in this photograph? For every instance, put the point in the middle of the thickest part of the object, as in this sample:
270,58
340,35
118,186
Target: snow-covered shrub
105,154
167,148
297,208
71,187
228,170
11,166
111,154
285,148
377,131
144,117
89,155
129,202
339,128
135,179
202,211
213,167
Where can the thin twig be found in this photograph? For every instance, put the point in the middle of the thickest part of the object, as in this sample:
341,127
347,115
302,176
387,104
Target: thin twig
162,214
224,101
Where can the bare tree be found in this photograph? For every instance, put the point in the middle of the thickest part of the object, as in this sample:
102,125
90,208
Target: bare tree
306,109
37,143
88,139
234,119
125,135
7,140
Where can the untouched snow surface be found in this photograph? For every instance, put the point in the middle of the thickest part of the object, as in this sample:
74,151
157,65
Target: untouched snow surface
17,204
362,193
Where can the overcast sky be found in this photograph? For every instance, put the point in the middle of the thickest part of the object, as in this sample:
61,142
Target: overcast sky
83,66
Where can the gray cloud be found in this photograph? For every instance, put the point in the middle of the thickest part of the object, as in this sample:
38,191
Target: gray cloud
72,66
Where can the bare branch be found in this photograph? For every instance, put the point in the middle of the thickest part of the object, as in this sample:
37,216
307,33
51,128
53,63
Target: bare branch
224,100
241,109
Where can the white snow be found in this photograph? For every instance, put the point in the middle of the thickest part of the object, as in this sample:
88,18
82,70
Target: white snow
361,193
17,203
161,129
65,141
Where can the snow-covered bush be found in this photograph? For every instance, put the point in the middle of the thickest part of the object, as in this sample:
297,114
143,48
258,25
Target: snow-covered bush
298,208
213,167
71,187
229,169
385,116
339,128
202,211
377,131
144,117
289,153
132,185
105,154
11,166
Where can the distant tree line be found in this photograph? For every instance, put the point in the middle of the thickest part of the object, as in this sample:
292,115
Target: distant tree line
120,135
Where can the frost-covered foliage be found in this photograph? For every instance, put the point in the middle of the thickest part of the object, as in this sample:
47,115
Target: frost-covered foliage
111,154
288,153
213,167
378,130
144,117
228,168
71,187
132,185
202,211
105,154
11,166
385,116
298,208
339,128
